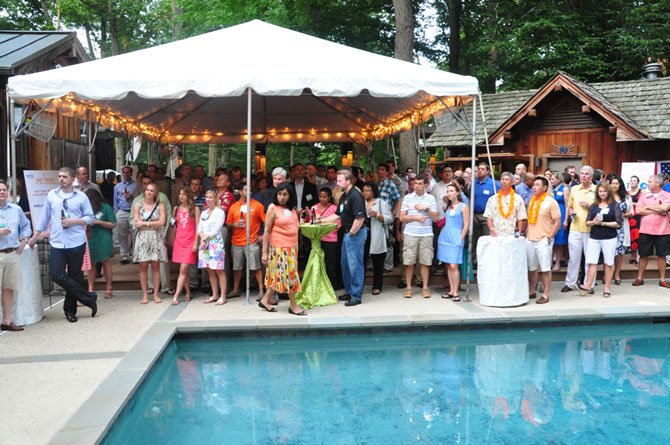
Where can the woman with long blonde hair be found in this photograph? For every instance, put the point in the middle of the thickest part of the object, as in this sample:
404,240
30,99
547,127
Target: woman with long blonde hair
185,247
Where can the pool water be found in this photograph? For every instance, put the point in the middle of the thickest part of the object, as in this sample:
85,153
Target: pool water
578,384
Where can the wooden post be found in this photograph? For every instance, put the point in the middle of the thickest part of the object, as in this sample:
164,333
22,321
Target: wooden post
211,160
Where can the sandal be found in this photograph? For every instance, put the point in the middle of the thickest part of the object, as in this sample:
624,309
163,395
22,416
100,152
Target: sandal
447,296
292,312
175,302
109,293
187,298
542,300
376,291
221,301
11,327
144,300
211,299
170,292
456,298
408,293
157,299
269,309
606,294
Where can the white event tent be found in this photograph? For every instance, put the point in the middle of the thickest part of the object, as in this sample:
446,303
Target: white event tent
253,82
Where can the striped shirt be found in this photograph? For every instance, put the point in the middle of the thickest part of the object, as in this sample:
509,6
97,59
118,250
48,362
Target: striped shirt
416,228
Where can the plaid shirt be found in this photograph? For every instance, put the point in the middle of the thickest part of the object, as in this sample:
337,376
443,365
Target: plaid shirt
388,191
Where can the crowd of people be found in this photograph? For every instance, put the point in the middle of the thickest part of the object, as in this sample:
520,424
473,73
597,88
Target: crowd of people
383,219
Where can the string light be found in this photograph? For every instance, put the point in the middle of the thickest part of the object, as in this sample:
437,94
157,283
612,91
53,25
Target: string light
70,106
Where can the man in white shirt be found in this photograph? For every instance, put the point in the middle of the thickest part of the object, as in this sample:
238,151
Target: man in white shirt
418,211
81,180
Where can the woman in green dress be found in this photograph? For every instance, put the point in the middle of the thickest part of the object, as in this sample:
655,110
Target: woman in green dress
100,242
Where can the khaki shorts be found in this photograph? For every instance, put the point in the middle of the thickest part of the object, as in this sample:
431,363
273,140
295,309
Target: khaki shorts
420,247
240,253
10,271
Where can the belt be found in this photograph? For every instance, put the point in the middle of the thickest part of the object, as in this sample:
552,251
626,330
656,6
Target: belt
10,250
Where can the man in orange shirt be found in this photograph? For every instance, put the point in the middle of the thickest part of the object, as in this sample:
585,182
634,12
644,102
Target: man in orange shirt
239,215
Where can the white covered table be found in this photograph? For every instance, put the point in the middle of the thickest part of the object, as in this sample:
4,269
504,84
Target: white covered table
28,300
502,271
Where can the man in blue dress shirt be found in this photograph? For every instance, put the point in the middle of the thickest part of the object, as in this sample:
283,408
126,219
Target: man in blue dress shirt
484,189
14,233
68,211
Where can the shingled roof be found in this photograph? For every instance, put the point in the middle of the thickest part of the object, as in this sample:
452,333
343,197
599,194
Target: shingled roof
18,49
642,104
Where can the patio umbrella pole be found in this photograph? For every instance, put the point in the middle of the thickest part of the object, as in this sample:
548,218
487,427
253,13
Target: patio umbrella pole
248,201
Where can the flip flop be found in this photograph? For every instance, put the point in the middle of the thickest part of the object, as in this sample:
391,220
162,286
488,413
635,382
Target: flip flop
157,300
269,309
456,298
447,296
221,301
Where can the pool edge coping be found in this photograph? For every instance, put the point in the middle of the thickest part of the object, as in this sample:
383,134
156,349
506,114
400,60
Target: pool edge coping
94,417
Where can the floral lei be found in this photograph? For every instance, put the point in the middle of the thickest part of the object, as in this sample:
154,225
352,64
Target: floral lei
534,207
501,208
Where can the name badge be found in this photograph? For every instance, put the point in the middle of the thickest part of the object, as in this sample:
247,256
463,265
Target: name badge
452,212
604,211
287,212
341,208
559,193
244,209
309,197
486,192
98,215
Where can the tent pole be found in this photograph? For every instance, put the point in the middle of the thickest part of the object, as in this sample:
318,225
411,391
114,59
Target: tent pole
248,197
11,147
486,140
469,267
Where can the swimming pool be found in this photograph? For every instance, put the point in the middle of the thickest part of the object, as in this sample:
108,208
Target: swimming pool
577,384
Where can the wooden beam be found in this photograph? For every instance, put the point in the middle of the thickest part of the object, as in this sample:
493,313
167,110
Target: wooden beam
507,135
612,130
586,108
532,112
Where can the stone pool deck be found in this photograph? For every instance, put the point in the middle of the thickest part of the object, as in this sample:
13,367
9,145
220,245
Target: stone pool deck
60,381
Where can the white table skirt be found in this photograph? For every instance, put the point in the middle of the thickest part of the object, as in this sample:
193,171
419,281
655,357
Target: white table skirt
28,300
502,271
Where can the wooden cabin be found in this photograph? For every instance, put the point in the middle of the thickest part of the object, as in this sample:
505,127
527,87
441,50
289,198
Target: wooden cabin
25,52
568,122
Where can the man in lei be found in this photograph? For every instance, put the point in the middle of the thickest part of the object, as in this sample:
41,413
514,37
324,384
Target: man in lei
544,220
505,211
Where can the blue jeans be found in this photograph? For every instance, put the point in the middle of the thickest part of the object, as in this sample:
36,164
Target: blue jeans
71,281
353,268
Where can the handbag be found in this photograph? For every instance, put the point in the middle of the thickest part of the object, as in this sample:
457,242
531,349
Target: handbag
171,232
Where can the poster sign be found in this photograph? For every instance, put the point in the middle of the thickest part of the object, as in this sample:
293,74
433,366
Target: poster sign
640,169
38,185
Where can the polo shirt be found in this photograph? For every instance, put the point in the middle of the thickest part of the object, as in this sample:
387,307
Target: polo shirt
654,224
351,206
417,228
580,193
483,191
543,227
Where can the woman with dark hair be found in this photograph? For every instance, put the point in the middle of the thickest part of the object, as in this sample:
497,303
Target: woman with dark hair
280,250
150,217
634,221
331,248
623,235
184,219
604,219
100,243
378,218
